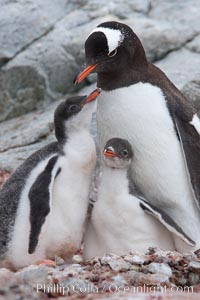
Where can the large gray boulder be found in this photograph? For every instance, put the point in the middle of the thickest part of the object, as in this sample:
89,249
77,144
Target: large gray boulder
182,69
24,21
44,70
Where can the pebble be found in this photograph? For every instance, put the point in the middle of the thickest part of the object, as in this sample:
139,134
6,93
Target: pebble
135,259
77,259
106,273
149,279
119,265
34,275
59,261
159,268
104,260
119,280
182,281
193,278
194,265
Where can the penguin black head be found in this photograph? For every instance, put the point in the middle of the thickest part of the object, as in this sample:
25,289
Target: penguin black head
112,48
118,153
73,114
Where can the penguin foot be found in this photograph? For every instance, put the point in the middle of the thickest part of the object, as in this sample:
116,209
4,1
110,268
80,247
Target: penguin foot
46,262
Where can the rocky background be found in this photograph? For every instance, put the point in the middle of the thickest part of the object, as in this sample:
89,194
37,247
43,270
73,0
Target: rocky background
41,48
156,275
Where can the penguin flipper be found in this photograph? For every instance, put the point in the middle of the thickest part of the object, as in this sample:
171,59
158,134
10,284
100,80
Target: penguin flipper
166,221
39,197
190,142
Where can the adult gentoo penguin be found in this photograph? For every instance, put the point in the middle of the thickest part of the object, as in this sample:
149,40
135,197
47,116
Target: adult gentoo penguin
139,103
121,221
43,204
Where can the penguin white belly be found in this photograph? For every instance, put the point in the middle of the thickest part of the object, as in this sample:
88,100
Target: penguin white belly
18,247
139,114
70,198
121,226
69,207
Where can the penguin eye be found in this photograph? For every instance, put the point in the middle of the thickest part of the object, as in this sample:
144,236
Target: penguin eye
73,108
112,53
125,153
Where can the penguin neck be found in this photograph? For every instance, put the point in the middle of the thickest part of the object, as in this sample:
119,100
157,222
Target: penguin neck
123,77
61,132
114,181
77,142
73,136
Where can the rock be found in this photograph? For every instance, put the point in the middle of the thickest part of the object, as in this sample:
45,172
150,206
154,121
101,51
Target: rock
21,90
167,257
32,18
42,73
92,277
104,260
159,268
34,275
70,271
7,279
176,12
182,281
13,157
194,45
160,37
59,261
118,8
136,268
148,279
195,265
140,6
190,256
191,90
13,287
119,265
119,280
77,259
174,257
18,140
29,62
181,67
17,133
135,259
193,278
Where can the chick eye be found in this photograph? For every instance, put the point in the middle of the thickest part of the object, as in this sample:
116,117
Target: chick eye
73,108
125,153
112,53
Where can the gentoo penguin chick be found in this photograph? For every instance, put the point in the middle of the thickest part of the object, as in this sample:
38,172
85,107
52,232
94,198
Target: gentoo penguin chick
122,221
139,103
43,204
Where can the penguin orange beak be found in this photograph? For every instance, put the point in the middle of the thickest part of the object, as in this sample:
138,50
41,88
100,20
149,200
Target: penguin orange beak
83,73
92,96
109,153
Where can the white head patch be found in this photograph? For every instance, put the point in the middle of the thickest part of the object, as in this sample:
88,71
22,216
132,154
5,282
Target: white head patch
114,37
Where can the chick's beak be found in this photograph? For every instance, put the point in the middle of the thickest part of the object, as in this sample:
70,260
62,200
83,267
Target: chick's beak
109,153
92,96
83,73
